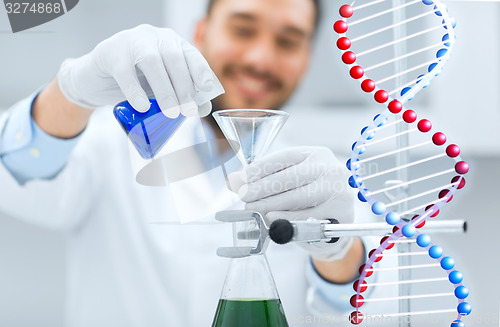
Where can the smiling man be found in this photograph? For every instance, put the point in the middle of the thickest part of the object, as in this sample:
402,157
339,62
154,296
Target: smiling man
70,163
259,50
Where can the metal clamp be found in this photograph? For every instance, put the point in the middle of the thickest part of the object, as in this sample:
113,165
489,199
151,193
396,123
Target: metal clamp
311,230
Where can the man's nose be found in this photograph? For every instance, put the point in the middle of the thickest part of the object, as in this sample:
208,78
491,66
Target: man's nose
261,55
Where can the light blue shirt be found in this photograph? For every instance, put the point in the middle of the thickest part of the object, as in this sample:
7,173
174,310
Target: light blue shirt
336,295
26,150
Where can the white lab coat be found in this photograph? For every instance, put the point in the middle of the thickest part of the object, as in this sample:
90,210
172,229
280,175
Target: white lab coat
124,271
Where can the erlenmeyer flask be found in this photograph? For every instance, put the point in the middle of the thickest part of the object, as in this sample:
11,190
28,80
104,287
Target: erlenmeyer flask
148,131
249,296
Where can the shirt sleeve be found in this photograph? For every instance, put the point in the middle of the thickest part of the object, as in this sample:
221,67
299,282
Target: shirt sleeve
325,296
26,150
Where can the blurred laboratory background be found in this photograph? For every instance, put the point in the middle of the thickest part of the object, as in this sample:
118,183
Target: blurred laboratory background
328,108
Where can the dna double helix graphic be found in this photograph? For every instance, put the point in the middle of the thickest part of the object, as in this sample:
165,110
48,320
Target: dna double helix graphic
402,166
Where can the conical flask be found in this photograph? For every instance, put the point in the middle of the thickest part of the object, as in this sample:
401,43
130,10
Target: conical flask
249,296
149,131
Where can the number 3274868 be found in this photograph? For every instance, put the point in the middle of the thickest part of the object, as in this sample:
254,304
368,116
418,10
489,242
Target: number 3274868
33,8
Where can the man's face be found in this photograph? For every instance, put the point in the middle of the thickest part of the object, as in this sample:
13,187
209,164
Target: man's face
259,49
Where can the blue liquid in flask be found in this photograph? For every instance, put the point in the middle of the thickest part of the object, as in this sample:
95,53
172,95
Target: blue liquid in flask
148,131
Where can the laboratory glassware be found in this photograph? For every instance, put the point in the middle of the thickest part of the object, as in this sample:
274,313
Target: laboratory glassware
148,131
249,296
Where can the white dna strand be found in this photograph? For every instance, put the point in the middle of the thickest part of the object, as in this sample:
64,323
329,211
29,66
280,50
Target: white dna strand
403,167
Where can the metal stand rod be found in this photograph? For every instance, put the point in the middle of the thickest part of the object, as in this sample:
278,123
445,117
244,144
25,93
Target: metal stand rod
402,158
340,230
317,230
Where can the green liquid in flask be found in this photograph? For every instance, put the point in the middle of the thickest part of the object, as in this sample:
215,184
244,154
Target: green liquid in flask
250,313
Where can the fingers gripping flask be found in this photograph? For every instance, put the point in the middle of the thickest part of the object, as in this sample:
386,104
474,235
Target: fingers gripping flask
249,296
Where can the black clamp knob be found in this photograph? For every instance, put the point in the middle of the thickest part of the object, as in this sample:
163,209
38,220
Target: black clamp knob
281,231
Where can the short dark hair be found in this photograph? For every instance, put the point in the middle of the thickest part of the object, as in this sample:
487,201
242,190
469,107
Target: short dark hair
316,3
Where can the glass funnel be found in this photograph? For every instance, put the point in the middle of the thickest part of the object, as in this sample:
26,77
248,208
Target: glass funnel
249,296
253,130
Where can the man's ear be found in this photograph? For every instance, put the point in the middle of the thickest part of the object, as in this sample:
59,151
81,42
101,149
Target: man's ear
199,33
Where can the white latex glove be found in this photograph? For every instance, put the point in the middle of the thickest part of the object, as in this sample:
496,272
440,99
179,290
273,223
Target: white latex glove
141,62
296,184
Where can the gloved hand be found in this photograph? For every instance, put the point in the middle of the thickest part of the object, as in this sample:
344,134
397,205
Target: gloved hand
296,184
137,63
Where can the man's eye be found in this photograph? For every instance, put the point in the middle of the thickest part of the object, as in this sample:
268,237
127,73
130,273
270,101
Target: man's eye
243,31
288,44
